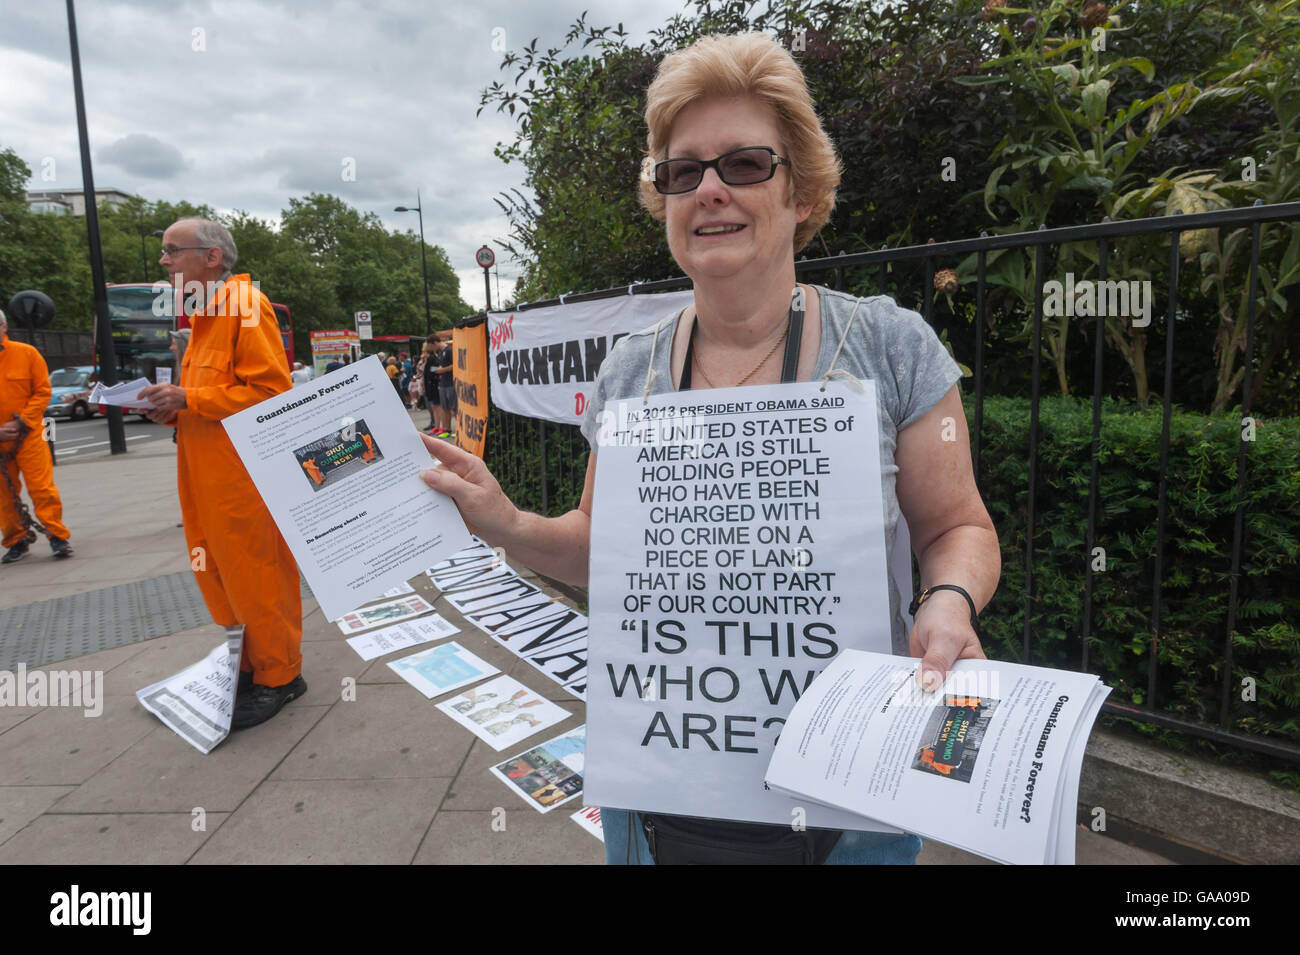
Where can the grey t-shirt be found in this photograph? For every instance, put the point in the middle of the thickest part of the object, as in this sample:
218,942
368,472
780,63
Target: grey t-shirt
891,345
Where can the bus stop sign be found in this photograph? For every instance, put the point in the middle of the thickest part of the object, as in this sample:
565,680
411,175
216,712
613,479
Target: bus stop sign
363,325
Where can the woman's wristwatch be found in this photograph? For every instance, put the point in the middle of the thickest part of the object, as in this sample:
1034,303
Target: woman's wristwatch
927,592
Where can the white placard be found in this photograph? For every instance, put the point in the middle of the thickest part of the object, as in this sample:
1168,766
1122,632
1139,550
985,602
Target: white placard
162,376
197,703
337,462
738,545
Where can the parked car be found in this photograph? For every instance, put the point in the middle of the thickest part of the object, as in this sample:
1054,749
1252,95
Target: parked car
70,391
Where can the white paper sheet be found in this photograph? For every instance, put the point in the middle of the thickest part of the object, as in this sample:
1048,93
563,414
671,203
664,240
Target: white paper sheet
198,702
502,712
400,636
123,394
337,461
442,669
589,819
390,611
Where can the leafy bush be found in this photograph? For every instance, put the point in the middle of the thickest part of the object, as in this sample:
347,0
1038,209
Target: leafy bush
1197,560
1201,501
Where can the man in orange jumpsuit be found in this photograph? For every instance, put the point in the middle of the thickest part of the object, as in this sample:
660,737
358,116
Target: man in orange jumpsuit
24,395
235,359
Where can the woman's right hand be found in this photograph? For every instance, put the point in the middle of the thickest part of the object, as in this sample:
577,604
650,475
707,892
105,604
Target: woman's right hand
464,478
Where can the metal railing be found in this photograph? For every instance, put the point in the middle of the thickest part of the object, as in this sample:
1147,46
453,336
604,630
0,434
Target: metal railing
515,442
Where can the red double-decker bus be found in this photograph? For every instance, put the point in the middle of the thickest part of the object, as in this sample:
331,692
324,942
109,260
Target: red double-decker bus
142,313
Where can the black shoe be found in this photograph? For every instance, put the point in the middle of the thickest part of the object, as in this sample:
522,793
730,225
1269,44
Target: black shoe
245,682
261,703
15,553
60,546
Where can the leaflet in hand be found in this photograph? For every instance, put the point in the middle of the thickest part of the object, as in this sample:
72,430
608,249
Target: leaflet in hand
988,763
124,394
337,462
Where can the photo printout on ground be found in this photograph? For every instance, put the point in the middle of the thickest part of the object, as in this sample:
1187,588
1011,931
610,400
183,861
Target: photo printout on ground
442,669
337,462
989,762
548,775
737,547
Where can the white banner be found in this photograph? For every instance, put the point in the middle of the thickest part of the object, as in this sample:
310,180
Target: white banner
737,547
542,362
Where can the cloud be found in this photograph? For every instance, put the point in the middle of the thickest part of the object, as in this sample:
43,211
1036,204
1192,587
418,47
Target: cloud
144,156
277,95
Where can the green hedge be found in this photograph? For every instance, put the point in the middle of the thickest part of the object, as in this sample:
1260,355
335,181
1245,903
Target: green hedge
1197,556
1201,500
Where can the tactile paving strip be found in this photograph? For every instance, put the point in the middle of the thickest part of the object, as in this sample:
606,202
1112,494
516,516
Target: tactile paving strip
52,630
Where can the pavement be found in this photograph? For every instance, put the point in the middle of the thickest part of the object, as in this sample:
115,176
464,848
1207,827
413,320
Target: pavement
382,778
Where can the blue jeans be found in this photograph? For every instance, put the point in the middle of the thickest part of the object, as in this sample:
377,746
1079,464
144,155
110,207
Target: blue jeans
854,848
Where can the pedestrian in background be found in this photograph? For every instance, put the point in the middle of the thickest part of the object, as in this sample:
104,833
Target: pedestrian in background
447,388
430,386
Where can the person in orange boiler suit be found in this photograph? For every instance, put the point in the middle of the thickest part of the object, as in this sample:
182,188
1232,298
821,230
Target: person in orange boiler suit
24,394
244,569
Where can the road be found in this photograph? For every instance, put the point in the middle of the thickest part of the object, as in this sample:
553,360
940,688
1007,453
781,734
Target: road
80,439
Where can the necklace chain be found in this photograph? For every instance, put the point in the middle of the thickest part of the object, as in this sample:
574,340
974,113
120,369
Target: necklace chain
752,371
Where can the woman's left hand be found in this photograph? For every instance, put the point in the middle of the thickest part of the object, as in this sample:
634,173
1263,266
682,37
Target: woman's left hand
942,635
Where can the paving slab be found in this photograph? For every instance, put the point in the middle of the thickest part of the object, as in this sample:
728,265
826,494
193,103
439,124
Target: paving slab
19,805
325,664
11,716
60,746
163,773
104,839
528,838
327,821
388,732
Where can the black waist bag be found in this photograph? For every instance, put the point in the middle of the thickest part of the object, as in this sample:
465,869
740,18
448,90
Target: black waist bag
687,840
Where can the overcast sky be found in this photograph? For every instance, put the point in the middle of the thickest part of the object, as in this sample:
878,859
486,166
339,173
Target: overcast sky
244,104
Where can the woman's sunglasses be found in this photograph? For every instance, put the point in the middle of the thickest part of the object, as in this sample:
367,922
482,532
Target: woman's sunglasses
740,167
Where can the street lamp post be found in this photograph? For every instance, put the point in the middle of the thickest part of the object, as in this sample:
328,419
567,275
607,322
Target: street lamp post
104,334
424,263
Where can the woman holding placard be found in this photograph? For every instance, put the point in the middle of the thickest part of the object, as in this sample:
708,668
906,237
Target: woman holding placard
742,174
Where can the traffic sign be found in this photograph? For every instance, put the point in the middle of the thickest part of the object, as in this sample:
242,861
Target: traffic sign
363,325
485,257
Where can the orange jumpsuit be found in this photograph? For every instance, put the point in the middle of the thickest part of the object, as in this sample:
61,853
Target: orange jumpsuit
25,391
244,568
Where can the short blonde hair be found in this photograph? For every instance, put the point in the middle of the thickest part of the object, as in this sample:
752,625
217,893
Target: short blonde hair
747,64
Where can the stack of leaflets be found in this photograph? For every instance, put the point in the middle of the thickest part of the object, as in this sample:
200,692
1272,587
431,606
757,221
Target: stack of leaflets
124,394
989,762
